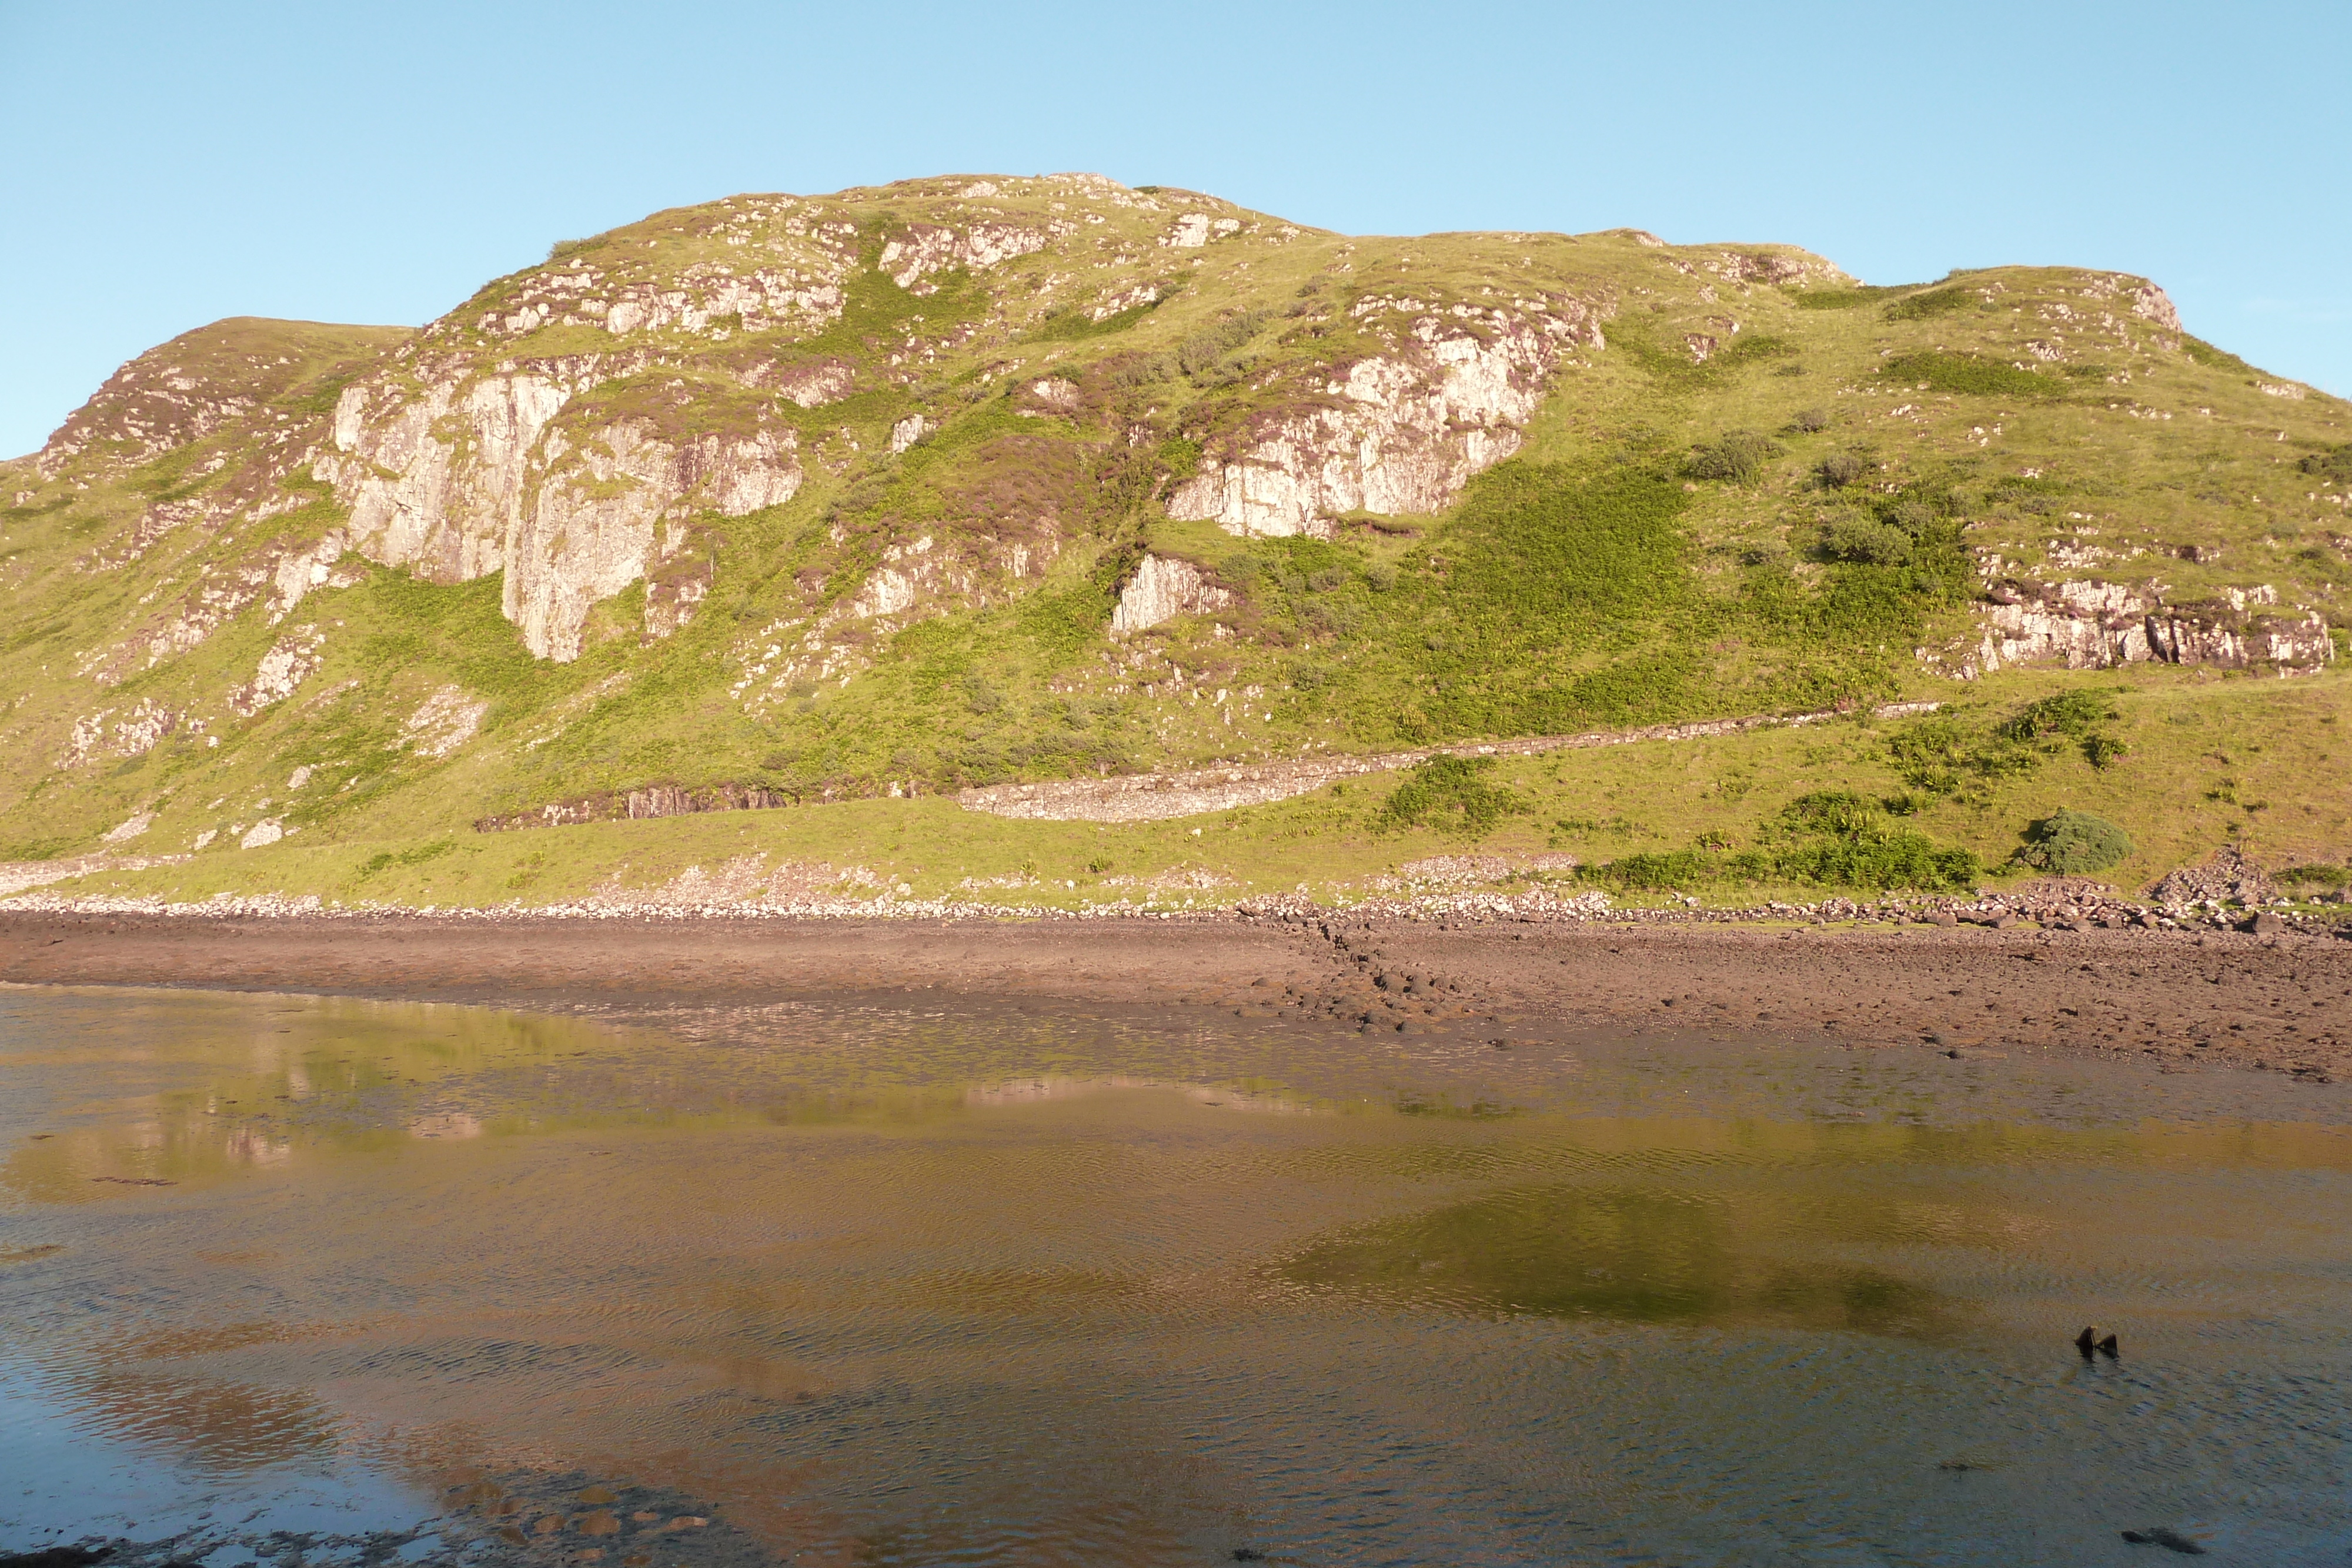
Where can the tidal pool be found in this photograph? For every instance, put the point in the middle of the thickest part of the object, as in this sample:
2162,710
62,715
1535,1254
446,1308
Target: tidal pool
335,1281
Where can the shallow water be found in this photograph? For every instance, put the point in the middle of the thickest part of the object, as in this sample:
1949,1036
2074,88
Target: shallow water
873,1284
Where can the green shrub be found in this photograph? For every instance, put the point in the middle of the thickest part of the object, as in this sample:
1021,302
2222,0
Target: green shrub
1839,839
1664,872
384,859
1739,457
1848,298
1748,349
1944,754
1139,370
1202,354
1072,325
2316,875
2073,716
1914,514
2069,843
1860,538
1808,421
1973,375
2103,751
2214,358
2335,466
1838,470
1828,839
1934,302
1452,795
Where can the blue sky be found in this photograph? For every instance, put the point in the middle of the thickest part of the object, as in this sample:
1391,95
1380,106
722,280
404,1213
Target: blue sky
163,166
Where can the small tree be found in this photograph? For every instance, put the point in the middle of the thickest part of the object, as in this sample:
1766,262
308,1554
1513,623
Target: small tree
2069,843
1866,538
1739,457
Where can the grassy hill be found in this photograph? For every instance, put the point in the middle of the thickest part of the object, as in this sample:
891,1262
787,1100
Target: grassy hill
838,501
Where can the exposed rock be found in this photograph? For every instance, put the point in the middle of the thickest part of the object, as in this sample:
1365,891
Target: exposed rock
266,832
632,805
569,516
291,659
129,829
1398,433
437,478
592,528
914,580
138,732
295,573
17,876
2228,878
193,387
810,385
1765,266
2152,304
2093,624
1129,298
907,432
444,722
702,298
1053,394
926,248
1163,588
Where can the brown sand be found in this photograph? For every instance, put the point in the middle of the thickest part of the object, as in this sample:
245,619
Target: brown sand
2279,1003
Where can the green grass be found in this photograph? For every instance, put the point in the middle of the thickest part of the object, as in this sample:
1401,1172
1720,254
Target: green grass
1973,375
1745,814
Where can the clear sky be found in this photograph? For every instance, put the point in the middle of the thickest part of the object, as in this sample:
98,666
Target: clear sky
166,166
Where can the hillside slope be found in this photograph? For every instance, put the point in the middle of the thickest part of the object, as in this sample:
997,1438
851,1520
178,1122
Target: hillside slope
970,481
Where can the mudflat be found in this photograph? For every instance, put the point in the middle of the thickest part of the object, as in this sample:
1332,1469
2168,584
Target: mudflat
2280,1004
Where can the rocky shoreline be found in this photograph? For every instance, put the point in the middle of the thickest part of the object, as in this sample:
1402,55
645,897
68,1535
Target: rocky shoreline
2054,904
1978,977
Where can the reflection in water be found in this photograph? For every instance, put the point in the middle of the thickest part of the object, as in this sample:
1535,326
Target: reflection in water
876,1285
1641,1254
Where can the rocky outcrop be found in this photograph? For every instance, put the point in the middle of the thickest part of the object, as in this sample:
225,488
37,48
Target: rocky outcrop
926,248
2228,878
1163,588
145,727
442,723
2093,624
594,522
1193,230
291,659
1738,267
809,385
1395,432
294,573
634,805
465,477
914,579
708,299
